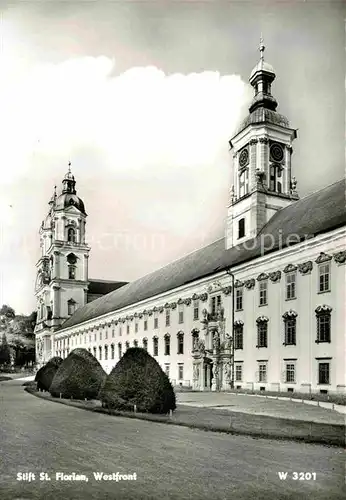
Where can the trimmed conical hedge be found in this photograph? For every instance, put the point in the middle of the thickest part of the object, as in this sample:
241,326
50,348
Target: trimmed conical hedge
80,376
137,379
46,373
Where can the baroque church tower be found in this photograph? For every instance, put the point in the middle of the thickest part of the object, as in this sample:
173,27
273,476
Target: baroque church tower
262,150
62,270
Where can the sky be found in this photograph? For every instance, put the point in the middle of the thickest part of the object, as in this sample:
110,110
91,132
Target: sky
142,98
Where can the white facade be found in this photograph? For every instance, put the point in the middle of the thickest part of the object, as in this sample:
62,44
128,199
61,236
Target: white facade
305,355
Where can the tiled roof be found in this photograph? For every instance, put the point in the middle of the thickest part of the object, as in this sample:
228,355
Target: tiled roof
102,287
308,217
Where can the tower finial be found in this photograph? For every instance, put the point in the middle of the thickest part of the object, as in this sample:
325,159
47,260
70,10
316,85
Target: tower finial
69,167
262,47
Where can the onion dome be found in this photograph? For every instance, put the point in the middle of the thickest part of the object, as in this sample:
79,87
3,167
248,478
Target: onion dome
69,196
263,105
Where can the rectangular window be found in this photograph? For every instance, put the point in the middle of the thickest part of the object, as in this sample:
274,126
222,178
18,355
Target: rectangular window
262,372
127,329
156,346
136,327
323,328
113,333
168,317
239,299
290,373
106,352
290,331
112,351
156,322
167,345
262,334
100,335
167,369
106,334
290,286
120,331
324,277
180,372
323,373
238,337
100,353
195,310
145,324
120,351
180,343
263,293
215,304
181,316
238,373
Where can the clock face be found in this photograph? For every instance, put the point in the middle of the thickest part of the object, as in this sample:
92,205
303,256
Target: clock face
244,158
276,152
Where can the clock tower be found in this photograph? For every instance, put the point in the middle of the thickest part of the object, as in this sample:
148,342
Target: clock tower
262,181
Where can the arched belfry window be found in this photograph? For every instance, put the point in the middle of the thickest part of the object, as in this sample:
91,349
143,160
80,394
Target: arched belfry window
71,307
71,235
71,260
275,182
243,182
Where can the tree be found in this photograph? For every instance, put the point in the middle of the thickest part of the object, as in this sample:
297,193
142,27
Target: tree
137,379
7,311
45,375
5,354
80,376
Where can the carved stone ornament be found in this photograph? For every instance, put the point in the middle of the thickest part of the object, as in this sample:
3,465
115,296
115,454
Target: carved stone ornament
187,301
323,257
340,257
180,301
290,314
262,277
263,140
205,313
161,309
305,267
323,309
290,268
249,284
154,309
238,322
167,306
227,290
131,317
195,296
275,276
253,141
135,315
238,284
173,305
262,319
203,297
116,322
215,287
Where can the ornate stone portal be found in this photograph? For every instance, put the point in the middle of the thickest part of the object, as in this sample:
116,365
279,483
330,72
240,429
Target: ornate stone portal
212,366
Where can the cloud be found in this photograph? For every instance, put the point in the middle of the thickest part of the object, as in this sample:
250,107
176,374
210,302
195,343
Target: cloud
142,118
144,145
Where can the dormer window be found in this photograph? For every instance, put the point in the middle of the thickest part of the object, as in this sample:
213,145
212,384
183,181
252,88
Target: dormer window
241,228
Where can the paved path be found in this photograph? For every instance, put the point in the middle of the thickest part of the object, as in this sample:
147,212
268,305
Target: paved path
170,462
261,406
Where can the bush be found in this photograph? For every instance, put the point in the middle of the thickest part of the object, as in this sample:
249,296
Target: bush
45,374
80,376
138,379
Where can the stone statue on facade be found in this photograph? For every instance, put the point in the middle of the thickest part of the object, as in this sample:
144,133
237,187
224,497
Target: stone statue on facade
216,341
